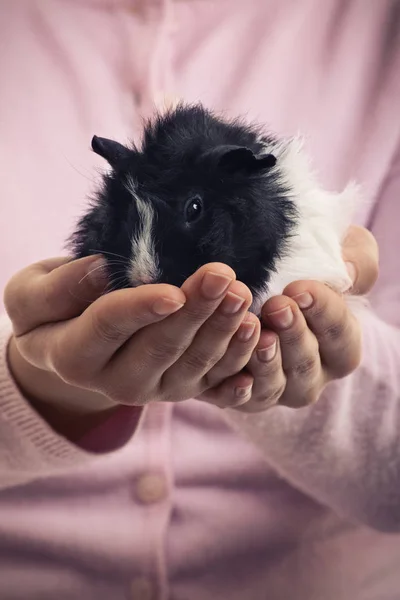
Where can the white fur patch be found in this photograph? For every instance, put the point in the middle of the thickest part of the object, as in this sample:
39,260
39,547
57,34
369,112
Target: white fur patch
144,264
314,251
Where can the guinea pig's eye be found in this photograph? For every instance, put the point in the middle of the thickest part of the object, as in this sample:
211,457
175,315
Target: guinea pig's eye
193,209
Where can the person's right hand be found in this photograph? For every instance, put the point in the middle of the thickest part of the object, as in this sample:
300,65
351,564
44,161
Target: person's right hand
132,346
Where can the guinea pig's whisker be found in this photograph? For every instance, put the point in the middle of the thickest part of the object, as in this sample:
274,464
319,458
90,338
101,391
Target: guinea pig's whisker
114,263
110,288
115,282
110,253
91,178
121,272
92,271
115,286
104,267
118,276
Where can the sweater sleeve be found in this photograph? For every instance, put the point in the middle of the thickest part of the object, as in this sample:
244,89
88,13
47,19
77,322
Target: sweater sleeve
30,448
345,450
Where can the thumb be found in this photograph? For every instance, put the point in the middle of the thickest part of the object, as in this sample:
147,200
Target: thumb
361,253
55,289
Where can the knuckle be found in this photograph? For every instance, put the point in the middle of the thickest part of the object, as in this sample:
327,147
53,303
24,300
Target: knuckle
334,331
306,367
318,312
201,359
296,337
223,325
163,349
198,313
158,352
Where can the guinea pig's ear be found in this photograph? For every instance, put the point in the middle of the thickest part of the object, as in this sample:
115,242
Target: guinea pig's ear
112,151
240,158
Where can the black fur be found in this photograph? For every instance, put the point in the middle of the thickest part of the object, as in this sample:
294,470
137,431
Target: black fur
247,212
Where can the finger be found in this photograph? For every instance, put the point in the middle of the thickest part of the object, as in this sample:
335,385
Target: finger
158,365
238,353
164,343
360,251
265,366
299,350
85,344
334,326
211,340
231,393
53,290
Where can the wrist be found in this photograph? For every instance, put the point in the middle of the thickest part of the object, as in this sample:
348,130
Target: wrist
47,387
70,410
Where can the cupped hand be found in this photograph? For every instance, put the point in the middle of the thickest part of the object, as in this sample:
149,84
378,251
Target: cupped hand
309,337
132,346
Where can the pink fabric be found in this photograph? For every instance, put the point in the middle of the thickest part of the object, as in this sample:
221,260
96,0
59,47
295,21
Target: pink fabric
282,505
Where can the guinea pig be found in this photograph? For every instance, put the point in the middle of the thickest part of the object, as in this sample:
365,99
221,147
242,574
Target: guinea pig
203,189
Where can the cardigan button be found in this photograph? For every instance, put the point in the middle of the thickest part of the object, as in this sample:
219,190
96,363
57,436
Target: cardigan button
151,488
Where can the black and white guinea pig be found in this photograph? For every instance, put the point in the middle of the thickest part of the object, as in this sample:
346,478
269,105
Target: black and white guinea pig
202,189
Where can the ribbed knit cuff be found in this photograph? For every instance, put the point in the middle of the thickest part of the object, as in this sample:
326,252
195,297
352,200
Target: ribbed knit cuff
30,447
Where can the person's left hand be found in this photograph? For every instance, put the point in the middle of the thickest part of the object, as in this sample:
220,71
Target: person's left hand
309,337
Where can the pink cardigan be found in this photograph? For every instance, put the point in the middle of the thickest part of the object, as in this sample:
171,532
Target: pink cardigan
195,502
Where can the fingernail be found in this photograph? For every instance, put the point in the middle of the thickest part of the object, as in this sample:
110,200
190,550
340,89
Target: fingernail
351,269
303,300
266,354
242,392
166,306
246,331
97,273
282,318
214,285
231,304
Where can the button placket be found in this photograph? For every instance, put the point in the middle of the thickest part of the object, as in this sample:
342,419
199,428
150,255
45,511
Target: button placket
150,489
